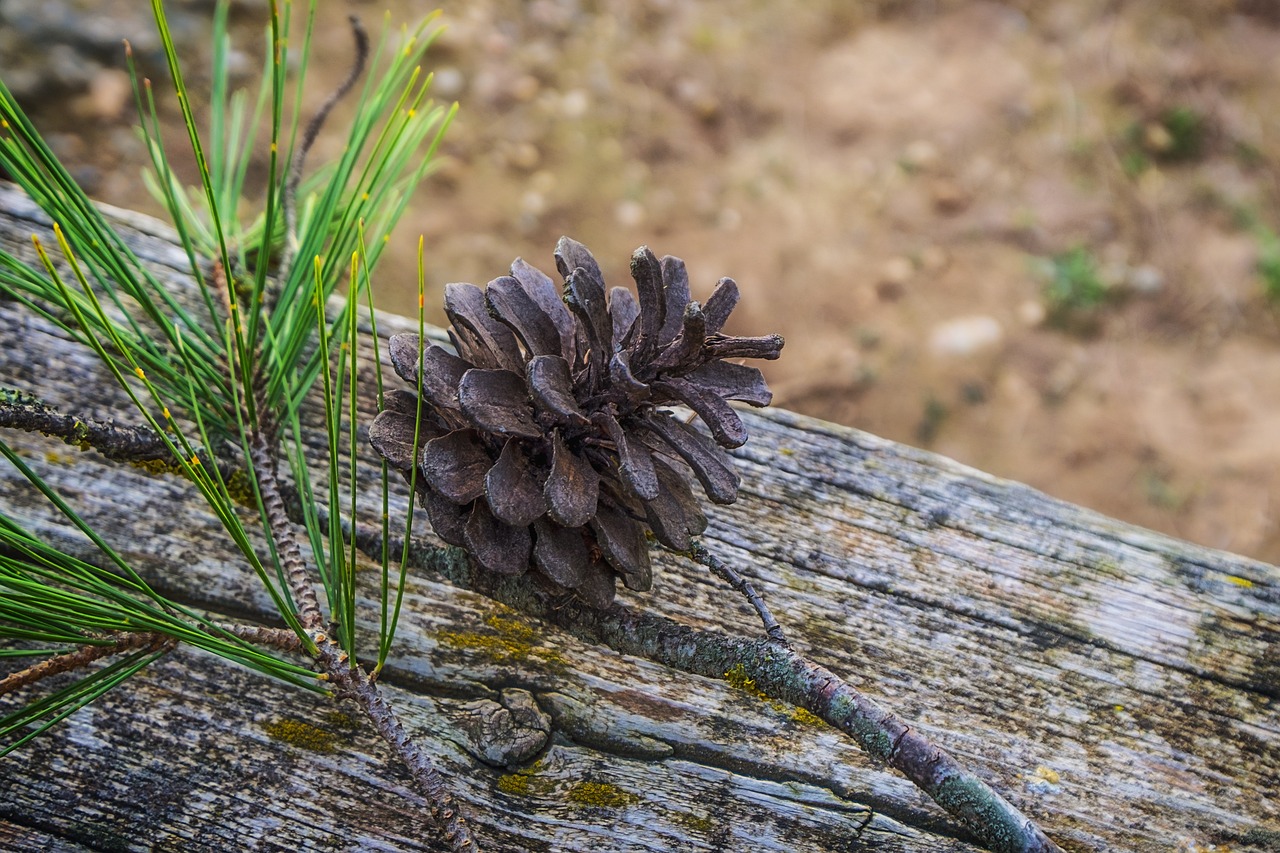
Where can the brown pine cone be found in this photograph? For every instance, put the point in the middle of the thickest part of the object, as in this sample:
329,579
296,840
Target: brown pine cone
544,441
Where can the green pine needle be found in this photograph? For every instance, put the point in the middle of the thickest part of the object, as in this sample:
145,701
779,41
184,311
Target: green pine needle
238,364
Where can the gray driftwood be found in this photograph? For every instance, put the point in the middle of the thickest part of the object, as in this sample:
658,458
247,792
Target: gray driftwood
1120,687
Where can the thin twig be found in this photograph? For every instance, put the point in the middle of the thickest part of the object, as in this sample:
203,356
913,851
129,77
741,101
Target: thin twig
19,410
309,135
771,627
82,657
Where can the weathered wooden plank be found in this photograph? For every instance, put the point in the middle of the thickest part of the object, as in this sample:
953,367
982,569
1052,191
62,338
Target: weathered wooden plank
1119,686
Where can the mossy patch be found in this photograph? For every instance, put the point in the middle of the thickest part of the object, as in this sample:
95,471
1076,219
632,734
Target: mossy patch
302,734
601,795
514,784
156,467
700,824
509,640
525,782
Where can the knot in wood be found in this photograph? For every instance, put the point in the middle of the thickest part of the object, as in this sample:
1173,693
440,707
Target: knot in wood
506,733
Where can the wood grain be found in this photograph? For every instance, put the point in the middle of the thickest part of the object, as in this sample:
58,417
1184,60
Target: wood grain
1120,687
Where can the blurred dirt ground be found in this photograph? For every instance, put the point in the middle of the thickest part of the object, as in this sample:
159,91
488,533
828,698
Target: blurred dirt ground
899,188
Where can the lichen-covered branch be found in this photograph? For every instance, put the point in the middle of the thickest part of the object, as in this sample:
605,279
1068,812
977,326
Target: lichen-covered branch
779,672
19,410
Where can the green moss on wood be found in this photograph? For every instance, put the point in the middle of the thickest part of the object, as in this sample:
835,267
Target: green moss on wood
514,784
601,795
302,734
509,640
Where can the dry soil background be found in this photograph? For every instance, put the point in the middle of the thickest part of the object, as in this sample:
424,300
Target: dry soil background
896,186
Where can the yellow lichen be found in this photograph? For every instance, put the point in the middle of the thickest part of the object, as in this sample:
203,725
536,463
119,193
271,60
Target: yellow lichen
805,717
156,467
514,784
601,795
1048,774
511,628
525,782
737,677
240,489
1240,582
697,823
511,640
301,734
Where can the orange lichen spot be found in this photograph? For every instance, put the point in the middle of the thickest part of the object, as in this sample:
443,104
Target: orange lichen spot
421,301
1048,774
167,416
195,461
141,375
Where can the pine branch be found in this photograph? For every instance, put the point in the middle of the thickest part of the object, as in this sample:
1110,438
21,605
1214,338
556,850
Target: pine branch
282,531
120,643
261,635
357,683
334,661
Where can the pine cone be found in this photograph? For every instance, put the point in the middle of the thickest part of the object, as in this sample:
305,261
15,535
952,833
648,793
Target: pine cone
544,439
